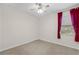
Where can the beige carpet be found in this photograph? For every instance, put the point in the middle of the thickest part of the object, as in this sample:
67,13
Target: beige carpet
39,47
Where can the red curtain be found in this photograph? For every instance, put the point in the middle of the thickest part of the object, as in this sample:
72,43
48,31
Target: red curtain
59,24
75,22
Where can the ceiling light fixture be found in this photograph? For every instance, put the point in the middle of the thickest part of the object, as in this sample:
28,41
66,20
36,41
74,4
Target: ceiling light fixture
40,11
40,8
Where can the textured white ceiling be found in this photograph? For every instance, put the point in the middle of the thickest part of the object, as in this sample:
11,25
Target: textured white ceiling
54,7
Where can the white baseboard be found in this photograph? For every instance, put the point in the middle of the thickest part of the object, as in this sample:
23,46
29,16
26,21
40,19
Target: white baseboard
17,45
77,48
38,39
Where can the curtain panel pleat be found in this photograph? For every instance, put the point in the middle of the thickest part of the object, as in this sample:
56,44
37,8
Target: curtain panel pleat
75,22
59,25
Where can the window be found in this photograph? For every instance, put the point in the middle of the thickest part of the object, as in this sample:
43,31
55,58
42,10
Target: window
66,27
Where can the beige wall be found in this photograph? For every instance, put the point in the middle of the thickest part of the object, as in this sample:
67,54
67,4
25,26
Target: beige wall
16,28
0,28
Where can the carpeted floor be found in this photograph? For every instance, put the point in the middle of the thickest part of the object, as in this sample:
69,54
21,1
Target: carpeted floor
39,47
